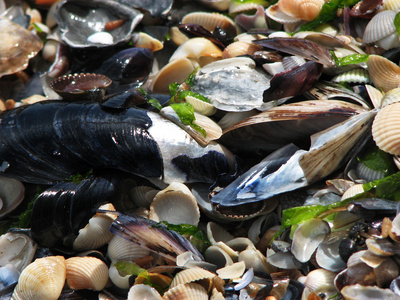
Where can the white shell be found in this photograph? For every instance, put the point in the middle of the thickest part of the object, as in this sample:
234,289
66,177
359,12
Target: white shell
201,106
176,205
357,292
122,249
390,97
353,76
381,26
43,279
233,271
187,291
191,275
216,233
101,37
143,291
143,195
217,256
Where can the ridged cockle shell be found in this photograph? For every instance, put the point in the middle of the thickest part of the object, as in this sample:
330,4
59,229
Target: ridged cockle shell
303,9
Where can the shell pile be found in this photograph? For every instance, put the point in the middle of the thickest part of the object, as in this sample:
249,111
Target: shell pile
300,98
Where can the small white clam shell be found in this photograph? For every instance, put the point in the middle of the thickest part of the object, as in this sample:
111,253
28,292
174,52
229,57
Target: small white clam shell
143,40
276,14
233,271
120,281
302,9
143,291
352,191
328,257
143,195
43,279
189,291
216,233
122,249
97,233
210,20
191,275
201,107
390,97
101,37
307,238
320,278
357,291
353,76
283,260
217,256
254,259
86,273
176,205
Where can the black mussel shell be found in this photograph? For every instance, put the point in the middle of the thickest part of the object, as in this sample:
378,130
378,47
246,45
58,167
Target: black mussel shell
81,86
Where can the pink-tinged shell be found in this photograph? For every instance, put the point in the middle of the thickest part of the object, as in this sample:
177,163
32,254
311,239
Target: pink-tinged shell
17,47
384,74
188,291
210,20
86,273
303,9
43,279
386,129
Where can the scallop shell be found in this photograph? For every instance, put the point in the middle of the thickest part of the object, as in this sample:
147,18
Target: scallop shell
210,20
86,273
303,9
97,232
176,205
122,249
187,291
381,247
358,76
386,129
379,27
191,275
318,278
143,291
43,279
384,74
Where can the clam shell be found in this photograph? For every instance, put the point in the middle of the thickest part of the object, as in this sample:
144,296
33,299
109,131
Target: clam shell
352,191
43,279
217,256
386,129
216,233
86,273
12,193
357,291
201,106
81,86
122,249
210,20
233,271
143,195
276,14
302,9
187,291
97,232
253,258
384,74
393,5
379,27
176,205
381,247
353,76
319,278
143,40
191,275
390,97
240,48
143,291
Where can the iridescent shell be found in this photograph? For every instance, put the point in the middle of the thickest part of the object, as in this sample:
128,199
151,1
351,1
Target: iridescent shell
86,273
386,129
43,279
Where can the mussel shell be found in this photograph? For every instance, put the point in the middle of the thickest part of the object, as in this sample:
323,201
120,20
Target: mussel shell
78,20
81,86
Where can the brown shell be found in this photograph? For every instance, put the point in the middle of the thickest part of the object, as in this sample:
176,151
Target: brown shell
386,129
303,9
384,74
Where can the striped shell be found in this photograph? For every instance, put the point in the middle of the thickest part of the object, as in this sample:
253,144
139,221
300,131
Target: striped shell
143,291
386,129
191,275
210,20
392,5
384,74
86,273
390,97
359,76
352,191
122,249
201,106
42,280
188,291
303,9
143,195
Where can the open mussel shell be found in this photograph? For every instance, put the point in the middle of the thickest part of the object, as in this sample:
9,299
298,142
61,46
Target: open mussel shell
84,23
81,86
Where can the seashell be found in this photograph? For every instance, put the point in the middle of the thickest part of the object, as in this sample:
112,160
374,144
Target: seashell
211,20
275,13
283,260
390,97
235,270
254,259
196,49
256,20
393,5
357,76
159,280
352,191
319,278
386,272
232,118
97,232
384,74
187,260
382,247
33,99
216,233
302,9
143,291
324,39
328,256
86,273
12,193
175,71
14,58
240,48
81,86
381,31
176,205
290,62
187,291
384,129
122,249
358,291
240,244
201,106
143,195
236,7
43,279
102,37
217,256
375,95
220,5
368,174
120,280
307,238
143,40
191,275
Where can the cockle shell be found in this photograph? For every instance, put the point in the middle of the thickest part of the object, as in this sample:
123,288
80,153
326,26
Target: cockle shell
358,291
191,275
386,129
86,273
383,73
96,233
201,106
42,280
359,76
240,48
143,291
393,5
187,291
122,249
210,20
233,271
302,9
176,205
390,97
